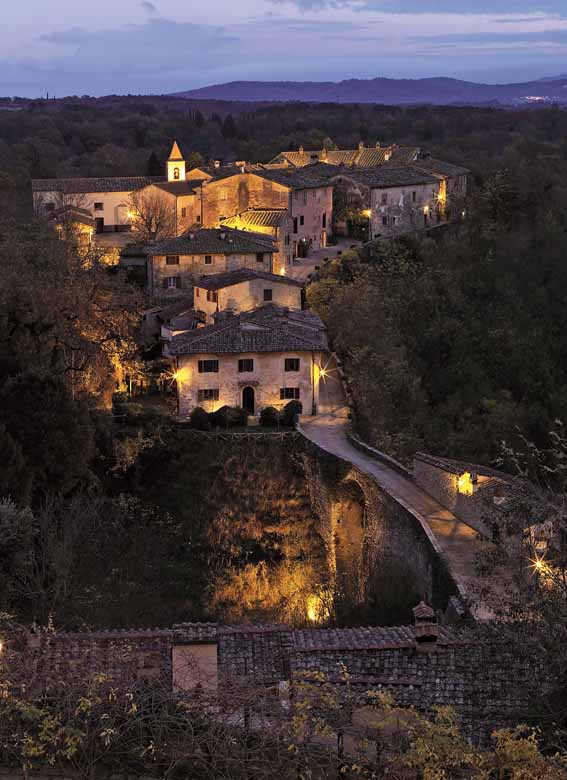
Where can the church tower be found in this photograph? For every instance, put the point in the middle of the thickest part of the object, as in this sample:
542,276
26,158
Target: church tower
175,164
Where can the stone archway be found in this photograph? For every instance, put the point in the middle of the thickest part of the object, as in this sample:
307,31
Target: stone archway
348,525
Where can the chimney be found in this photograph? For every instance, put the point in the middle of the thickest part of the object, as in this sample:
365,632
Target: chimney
301,150
426,628
378,145
222,235
360,146
217,163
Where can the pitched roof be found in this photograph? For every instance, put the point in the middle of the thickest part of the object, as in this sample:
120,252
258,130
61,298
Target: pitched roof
214,241
388,175
229,278
178,188
73,214
258,218
308,177
175,154
363,157
270,328
102,184
440,167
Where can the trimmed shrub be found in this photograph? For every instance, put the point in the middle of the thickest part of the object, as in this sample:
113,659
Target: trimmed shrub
228,417
290,412
199,419
269,417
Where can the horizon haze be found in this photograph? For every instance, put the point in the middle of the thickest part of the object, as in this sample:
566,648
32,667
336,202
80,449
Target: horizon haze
166,47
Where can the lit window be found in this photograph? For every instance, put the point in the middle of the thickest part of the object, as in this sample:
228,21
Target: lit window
292,364
289,394
208,366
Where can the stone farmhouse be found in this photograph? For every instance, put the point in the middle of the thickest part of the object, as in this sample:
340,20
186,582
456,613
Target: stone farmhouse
395,200
265,357
243,290
423,665
172,266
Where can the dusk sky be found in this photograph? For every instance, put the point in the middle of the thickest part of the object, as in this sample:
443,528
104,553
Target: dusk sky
68,47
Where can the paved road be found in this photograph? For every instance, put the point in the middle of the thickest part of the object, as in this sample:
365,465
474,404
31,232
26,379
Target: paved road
455,540
306,266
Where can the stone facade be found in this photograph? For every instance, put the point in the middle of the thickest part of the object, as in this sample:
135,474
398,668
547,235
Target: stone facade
261,386
162,272
468,490
230,195
246,295
276,223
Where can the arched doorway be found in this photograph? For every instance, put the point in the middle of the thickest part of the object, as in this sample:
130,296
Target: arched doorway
248,399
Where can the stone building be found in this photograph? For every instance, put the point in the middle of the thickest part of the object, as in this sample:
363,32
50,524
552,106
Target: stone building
243,290
172,266
307,195
265,357
274,222
424,665
394,199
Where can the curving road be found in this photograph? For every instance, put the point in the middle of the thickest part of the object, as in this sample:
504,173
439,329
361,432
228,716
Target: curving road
458,543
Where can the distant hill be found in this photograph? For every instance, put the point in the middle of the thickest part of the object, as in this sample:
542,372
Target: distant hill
438,91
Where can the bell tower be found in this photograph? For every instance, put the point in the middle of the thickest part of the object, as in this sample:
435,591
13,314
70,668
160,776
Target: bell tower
175,164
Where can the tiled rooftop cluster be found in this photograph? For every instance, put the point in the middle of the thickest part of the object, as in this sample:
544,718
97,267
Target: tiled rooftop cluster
481,679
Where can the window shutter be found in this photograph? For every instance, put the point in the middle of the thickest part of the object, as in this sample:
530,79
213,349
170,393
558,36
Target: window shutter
164,283
179,285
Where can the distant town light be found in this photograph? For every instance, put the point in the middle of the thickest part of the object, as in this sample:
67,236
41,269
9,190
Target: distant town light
367,213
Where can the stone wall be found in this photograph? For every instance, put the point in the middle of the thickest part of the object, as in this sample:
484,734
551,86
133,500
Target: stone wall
394,540
223,198
267,378
189,267
246,296
474,503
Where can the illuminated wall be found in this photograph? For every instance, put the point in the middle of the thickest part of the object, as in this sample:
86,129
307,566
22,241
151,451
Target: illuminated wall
267,378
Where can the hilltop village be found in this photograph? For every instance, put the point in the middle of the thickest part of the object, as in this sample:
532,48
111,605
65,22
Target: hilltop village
224,252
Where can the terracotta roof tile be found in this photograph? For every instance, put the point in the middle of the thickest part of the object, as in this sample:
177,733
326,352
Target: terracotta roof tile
102,184
220,241
228,278
258,218
270,328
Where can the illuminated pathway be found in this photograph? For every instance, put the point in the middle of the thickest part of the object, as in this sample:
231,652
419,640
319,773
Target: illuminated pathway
455,541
